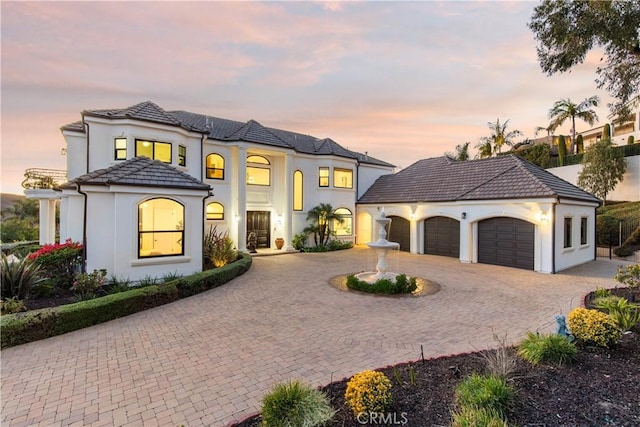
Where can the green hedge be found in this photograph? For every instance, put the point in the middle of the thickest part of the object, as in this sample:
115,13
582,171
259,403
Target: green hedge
21,328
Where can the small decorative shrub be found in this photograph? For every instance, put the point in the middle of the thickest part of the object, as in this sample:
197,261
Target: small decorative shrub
294,404
368,391
59,262
551,348
12,305
116,285
402,285
471,416
170,277
629,275
18,276
217,249
625,315
501,361
602,292
299,240
489,392
86,285
593,327
334,245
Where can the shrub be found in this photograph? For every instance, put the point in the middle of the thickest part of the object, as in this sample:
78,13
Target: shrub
59,262
489,392
625,315
602,292
499,362
471,416
402,285
217,249
368,391
299,240
294,404
629,275
115,285
12,305
18,276
86,285
593,327
607,228
551,348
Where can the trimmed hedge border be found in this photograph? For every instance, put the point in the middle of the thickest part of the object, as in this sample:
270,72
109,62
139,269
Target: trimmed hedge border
22,328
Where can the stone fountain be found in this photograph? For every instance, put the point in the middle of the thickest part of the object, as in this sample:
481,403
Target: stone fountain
382,246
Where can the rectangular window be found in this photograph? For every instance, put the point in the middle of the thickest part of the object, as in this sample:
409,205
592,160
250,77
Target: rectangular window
343,178
182,155
258,176
567,232
297,191
583,230
324,177
154,150
120,147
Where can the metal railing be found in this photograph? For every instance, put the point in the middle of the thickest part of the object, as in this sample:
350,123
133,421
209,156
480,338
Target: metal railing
39,179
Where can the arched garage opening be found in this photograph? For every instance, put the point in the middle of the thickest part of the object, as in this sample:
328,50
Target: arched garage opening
442,236
506,241
400,231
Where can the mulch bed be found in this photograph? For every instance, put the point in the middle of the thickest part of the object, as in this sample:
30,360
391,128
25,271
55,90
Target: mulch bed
600,389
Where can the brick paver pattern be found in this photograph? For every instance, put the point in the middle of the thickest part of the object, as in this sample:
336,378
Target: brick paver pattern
208,360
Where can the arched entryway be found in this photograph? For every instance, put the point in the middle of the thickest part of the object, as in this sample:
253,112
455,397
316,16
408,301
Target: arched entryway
399,230
506,241
442,236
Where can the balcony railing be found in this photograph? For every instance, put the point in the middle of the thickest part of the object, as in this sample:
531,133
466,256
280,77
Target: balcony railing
39,179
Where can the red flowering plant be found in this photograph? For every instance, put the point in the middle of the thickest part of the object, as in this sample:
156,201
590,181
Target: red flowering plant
59,261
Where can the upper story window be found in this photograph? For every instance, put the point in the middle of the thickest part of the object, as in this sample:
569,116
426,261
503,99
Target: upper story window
567,232
323,175
342,178
160,228
215,211
182,155
258,171
215,166
583,230
344,227
297,191
120,149
154,150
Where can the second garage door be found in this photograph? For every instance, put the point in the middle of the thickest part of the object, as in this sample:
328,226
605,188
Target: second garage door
400,232
506,241
442,236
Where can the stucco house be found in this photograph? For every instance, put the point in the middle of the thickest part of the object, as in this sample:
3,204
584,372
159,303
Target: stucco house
503,211
146,183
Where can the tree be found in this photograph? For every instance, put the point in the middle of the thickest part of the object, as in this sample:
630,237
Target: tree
499,135
567,30
606,132
579,144
603,168
562,150
547,129
20,221
462,152
564,109
321,217
484,149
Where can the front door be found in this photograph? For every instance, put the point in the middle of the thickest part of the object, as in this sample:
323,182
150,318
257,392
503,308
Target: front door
259,222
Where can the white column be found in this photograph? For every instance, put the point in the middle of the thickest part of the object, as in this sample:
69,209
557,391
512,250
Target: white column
241,208
466,241
287,214
47,220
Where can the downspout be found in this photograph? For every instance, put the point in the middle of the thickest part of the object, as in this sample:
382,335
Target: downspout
553,237
203,166
83,267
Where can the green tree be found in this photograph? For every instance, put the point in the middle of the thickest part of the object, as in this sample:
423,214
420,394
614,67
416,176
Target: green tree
549,129
462,152
499,135
20,221
606,131
603,168
564,110
321,217
484,149
562,150
567,30
579,144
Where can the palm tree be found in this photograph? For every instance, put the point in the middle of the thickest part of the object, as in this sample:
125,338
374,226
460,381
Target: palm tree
564,109
499,135
321,217
484,149
547,129
462,152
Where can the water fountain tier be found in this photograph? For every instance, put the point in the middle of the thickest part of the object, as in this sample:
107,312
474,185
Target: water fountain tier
382,246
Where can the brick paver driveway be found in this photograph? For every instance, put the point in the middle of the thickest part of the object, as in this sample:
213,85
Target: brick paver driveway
207,360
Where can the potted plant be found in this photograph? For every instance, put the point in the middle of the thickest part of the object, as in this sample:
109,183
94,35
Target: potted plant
279,243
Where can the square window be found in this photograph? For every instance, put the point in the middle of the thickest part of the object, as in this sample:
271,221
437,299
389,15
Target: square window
343,178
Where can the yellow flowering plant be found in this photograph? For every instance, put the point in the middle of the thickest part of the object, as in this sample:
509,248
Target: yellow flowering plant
368,391
593,327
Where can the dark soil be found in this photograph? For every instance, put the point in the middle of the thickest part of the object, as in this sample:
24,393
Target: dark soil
602,388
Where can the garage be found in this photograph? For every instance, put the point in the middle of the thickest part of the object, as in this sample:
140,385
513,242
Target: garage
400,232
442,236
506,241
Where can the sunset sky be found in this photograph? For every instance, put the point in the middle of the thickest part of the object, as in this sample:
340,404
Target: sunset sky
402,81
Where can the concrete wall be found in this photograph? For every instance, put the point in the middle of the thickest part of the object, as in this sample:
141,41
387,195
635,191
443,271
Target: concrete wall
627,190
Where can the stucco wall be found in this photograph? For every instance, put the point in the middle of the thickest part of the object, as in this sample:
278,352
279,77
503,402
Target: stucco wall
627,190
577,253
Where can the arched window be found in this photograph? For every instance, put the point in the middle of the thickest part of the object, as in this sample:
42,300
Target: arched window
160,228
346,228
297,191
258,170
215,166
215,211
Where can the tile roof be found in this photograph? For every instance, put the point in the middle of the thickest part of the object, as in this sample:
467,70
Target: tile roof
228,130
444,179
140,171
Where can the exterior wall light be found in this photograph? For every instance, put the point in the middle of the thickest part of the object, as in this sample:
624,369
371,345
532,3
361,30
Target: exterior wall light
464,215
544,217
